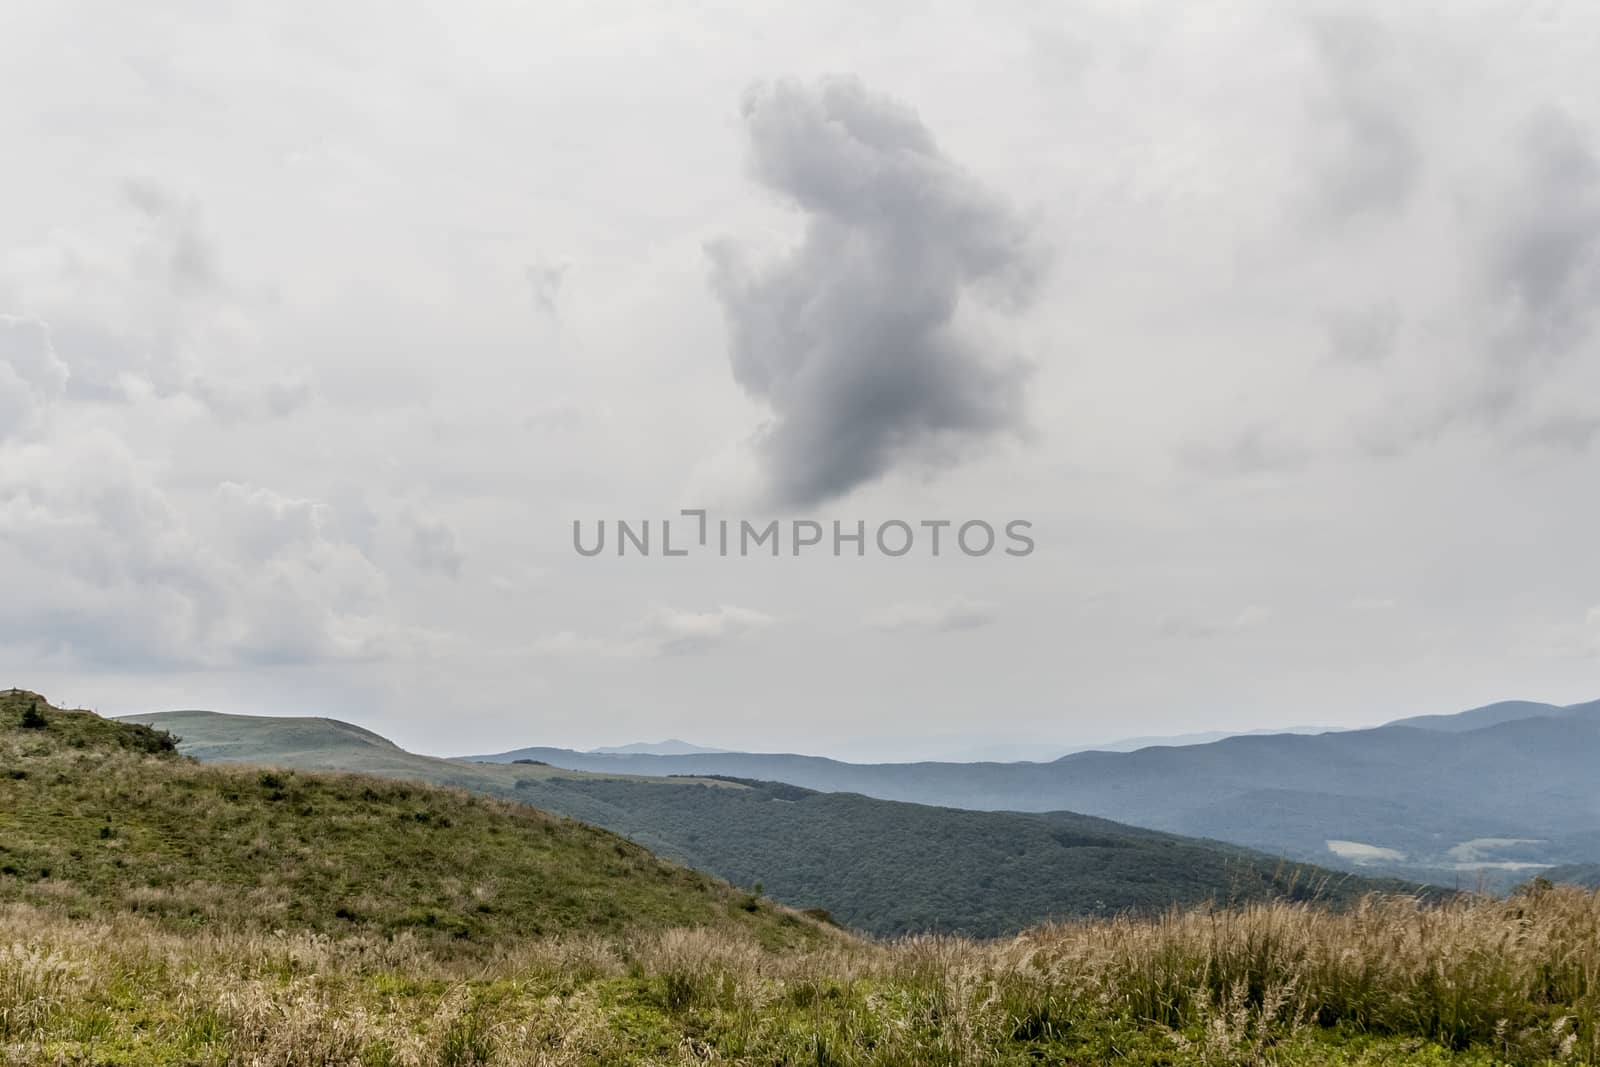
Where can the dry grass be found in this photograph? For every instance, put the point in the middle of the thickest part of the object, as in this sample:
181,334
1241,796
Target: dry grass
1390,981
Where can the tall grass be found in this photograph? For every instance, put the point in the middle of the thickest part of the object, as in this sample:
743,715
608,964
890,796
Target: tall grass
1392,980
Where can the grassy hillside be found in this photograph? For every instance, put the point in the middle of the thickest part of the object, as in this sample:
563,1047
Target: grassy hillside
158,912
883,867
1459,798
102,818
1473,983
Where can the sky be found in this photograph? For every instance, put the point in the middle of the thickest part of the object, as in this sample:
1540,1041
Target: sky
322,324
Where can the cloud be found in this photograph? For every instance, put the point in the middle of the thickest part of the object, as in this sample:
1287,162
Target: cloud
1363,336
1544,255
1254,450
434,549
1198,628
544,283
32,376
663,631
264,523
140,307
1514,313
177,251
957,613
106,569
859,339
1367,156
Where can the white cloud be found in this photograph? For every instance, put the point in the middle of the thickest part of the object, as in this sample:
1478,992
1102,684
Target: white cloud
32,376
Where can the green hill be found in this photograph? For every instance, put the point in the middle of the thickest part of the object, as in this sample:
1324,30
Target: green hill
99,816
879,866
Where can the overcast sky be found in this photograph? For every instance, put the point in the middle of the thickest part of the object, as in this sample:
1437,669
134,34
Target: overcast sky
321,323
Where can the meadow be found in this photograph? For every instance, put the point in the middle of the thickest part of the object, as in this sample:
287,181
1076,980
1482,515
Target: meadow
1390,981
154,910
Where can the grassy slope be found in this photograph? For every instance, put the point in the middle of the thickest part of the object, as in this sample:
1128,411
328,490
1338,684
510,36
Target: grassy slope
97,965
96,817
880,866
1475,982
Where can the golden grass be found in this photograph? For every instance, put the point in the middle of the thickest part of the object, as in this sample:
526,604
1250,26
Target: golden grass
1392,980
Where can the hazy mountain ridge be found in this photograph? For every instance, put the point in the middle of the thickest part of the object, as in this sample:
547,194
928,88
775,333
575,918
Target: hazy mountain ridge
1420,787
672,746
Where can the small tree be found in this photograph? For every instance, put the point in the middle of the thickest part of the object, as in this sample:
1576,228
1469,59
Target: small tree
33,717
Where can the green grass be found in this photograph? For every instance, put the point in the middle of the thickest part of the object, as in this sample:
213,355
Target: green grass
100,817
161,912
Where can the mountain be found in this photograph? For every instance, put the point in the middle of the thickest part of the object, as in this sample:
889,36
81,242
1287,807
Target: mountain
1494,794
1489,715
104,817
670,747
1204,737
1584,874
878,866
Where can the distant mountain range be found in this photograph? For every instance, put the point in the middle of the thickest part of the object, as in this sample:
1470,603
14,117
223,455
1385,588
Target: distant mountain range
876,865
977,748
1496,793
670,747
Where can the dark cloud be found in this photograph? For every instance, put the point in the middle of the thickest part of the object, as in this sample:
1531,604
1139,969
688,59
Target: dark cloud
854,338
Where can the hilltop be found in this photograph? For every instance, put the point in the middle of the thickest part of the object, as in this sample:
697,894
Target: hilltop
102,817
878,866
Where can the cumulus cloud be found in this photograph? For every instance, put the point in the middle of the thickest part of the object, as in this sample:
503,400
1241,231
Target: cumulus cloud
32,376
140,307
860,340
105,568
957,613
263,523
663,631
